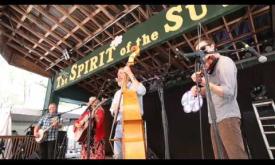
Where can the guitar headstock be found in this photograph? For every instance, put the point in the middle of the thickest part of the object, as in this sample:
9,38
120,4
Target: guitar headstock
135,52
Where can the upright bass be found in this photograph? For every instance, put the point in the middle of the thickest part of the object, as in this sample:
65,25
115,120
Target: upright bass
133,140
133,143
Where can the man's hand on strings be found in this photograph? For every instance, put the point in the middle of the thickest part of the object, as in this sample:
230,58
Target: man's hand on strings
195,90
36,134
197,77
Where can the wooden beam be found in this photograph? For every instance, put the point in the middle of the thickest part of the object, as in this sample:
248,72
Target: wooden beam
27,27
244,35
111,18
173,50
115,9
23,63
166,55
48,30
78,25
26,47
102,8
27,38
253,28
23,52
235,21
90,17
153,58
104,27
145,15
228,31
56,22
21,21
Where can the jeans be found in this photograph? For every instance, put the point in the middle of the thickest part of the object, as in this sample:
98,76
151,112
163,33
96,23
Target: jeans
117,142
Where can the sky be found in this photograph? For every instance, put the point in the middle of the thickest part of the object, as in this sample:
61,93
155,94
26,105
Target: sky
24,89
21,89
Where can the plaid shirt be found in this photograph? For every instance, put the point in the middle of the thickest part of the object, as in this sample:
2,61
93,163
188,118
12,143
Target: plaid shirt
45,122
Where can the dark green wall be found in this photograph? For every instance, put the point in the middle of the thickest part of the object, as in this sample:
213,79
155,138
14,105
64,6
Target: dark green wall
75,93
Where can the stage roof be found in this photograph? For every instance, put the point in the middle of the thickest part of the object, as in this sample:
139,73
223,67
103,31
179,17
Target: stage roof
33,37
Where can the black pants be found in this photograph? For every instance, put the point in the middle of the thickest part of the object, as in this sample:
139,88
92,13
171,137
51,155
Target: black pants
47,150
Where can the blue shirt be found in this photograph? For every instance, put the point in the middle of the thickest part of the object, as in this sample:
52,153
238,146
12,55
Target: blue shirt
45,122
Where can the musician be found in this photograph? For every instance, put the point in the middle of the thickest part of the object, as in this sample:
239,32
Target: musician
222,73
133,84
97,147
48,146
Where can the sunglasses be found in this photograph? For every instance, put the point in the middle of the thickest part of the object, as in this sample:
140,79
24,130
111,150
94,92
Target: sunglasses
204,47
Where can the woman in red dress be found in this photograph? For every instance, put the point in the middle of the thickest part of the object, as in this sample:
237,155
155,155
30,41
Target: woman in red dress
97,147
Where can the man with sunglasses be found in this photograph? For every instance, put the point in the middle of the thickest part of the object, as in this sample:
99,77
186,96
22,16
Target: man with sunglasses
222,73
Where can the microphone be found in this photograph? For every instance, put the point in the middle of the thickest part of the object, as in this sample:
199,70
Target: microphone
84,104
261,58
44,109
182,54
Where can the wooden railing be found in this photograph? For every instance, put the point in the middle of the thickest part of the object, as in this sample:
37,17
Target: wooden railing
17,147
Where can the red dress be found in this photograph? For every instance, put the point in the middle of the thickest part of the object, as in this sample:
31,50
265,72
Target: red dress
97,148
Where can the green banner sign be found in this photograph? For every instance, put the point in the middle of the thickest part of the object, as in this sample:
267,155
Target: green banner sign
156,30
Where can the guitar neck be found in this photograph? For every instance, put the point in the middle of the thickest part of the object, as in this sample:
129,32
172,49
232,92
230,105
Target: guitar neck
48,128
95,108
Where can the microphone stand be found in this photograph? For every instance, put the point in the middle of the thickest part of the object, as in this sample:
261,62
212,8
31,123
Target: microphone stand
35,121
210,106
164,118
197,68
89,120
56,141
197,54
114,121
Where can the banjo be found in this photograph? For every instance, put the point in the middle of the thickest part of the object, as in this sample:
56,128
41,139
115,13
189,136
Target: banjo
43,133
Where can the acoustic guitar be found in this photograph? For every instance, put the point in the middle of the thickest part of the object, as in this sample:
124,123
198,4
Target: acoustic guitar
80,134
